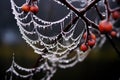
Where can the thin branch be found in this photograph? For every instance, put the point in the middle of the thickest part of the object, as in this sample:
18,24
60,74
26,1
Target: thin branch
81,12
113,44
88,21
75,19
108,10
89,6
116,9
99,13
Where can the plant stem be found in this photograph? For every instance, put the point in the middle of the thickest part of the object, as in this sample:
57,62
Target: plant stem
113,44
75,19
108,10
99,13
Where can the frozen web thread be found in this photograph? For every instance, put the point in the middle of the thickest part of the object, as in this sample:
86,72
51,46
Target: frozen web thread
45,67
61,53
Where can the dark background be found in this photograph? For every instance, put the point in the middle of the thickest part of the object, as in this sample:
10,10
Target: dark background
100,64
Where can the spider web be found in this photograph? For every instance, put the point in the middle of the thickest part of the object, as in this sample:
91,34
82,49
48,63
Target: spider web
57,47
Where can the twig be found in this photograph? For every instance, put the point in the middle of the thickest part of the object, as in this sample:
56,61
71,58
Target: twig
99,13
113,44
75,19
108,10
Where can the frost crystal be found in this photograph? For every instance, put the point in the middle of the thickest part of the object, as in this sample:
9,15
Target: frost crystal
57,47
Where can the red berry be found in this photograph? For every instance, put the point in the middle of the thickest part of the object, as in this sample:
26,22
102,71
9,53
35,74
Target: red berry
34,9
83,47
113,34
92,36
116,15
91,42
105,26
25,8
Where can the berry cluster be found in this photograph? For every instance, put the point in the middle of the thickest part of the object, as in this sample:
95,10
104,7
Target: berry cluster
105,26
90,41
30,7
53,51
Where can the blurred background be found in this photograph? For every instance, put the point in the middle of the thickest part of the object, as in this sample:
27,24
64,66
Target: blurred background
100,64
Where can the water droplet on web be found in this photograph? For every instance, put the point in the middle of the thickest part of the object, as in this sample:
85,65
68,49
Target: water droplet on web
42,36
